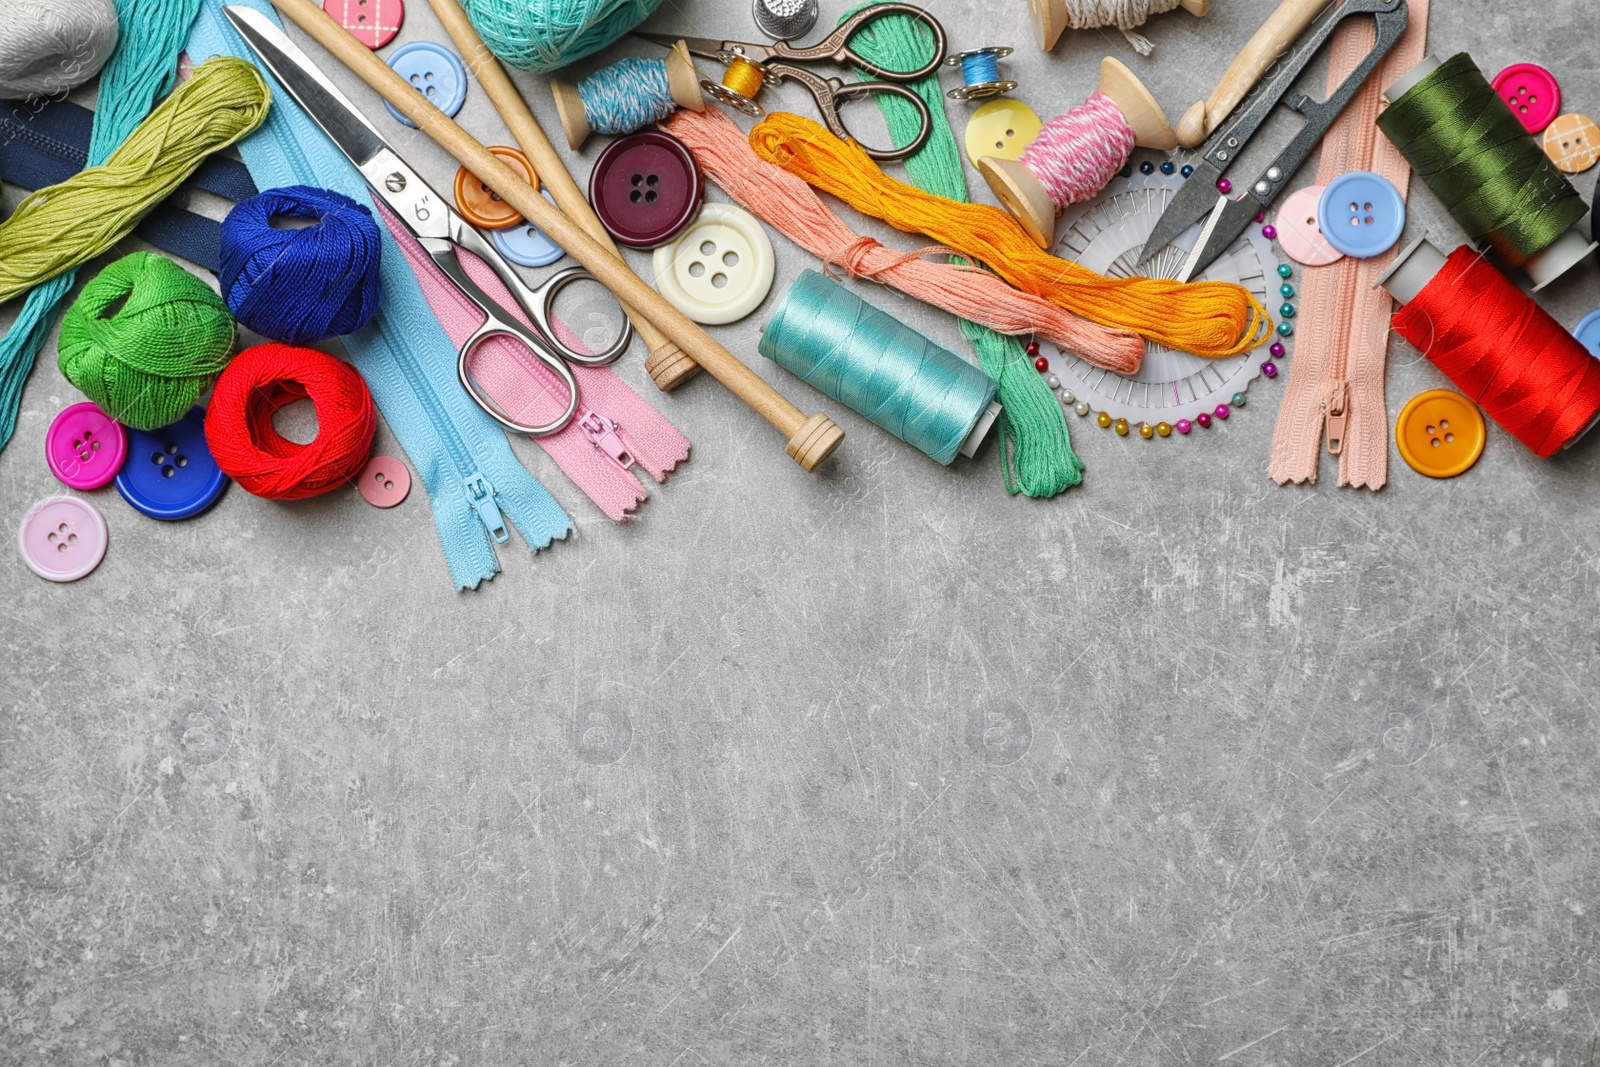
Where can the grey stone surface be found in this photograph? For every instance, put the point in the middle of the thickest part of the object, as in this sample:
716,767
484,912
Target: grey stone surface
879,766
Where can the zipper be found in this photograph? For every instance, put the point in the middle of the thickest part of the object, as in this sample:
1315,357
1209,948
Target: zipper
1336,405
603,434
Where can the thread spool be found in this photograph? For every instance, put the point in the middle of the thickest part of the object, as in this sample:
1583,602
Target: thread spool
925,395
1052,18
144,339
1490,174
741,82
304,284
980,73
51,46
1076,154
628,95
1500,348
785,20
250,450
544,35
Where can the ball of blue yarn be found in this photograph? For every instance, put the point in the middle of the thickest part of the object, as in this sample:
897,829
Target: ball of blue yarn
544,35
300,286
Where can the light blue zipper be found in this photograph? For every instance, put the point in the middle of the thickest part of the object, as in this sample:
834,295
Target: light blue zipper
473,480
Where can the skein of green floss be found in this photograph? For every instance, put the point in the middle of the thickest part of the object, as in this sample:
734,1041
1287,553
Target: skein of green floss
144,340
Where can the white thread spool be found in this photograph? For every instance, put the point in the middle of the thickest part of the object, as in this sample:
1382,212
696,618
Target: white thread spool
1052,18
50,46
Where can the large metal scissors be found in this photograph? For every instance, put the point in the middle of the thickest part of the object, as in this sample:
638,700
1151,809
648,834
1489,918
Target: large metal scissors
781,60
441,232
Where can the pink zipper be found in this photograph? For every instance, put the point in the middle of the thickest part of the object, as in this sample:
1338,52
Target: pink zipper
613,431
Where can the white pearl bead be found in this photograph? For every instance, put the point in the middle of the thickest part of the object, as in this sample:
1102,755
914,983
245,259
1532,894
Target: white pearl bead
1082,409
1053,382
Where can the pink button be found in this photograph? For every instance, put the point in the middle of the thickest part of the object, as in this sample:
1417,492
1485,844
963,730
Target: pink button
85,447
1298,233
62,538
384,481
372,22
1532,94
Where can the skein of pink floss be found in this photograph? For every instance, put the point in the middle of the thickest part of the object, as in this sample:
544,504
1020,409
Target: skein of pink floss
1076,154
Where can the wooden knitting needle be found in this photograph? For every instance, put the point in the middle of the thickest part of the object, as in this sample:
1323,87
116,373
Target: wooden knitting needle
1260,52
811,440
667,365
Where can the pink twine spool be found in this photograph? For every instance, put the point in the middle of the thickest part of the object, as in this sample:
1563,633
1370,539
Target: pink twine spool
1076,154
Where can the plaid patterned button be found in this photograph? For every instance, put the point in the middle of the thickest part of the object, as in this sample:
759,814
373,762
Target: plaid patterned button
1573,143
372,22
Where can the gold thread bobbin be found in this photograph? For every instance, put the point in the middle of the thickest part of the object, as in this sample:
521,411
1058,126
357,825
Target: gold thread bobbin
741,82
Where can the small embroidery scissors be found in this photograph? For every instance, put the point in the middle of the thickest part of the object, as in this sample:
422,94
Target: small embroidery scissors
749,65
441,232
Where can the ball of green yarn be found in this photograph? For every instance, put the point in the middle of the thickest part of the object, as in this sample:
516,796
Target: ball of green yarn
544,35
144,340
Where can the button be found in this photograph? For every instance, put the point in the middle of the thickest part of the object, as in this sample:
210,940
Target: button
62,538
526,245
372,22
1361,214
1001,128
1531,92
1573,143
1298,233
1588,332
646,188
1440,433
384,481
170,473
719,269
435,72
85,447
482,206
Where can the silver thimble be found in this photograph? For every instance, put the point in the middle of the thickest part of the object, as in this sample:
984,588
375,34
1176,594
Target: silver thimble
784,20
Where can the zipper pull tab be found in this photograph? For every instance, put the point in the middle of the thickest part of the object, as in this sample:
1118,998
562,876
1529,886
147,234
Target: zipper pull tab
480,495
1338,417
602,433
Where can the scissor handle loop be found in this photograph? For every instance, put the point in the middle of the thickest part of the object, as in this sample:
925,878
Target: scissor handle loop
496,327
830,91
836,46
542,311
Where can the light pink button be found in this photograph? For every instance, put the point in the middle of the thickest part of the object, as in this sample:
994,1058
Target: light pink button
1298,233
1532,94
372,22
62,538
85,447
384,481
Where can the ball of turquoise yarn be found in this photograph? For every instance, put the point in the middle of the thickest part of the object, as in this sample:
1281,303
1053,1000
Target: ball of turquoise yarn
144,340
544,35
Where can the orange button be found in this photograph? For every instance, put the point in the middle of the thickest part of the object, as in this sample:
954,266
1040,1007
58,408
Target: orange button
1440,433
483,207
1573,143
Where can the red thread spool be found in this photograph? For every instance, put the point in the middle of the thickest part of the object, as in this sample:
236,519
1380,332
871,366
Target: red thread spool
1498,346
249,449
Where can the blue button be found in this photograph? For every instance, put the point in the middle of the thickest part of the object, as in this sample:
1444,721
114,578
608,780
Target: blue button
1588,332
435,72
1361,214
169,473
526,245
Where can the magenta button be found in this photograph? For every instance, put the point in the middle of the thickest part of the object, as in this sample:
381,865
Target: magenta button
62,538
85,447
384,481
1532,94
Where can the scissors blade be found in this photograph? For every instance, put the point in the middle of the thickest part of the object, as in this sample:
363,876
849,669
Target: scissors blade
1195,200
1228,220
704,47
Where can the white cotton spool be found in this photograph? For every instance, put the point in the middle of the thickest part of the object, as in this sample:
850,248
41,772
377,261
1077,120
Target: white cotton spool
51,46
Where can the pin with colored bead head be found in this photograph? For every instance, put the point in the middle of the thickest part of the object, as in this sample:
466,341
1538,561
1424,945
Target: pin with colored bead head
628,96
980,71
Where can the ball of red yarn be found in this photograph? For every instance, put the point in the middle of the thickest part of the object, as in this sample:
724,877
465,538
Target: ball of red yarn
249,449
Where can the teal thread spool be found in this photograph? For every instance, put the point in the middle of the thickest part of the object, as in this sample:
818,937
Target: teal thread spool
928,397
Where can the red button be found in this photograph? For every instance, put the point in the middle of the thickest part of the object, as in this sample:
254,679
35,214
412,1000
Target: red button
1531,93
372,22
646,188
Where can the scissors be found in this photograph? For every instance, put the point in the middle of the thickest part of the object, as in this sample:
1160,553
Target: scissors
750,64
1226,219
441,232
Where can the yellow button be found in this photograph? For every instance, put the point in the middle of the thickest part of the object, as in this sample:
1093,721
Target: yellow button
1001,128
1440,433
1573,143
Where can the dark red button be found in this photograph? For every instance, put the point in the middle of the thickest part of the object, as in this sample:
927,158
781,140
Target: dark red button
646,188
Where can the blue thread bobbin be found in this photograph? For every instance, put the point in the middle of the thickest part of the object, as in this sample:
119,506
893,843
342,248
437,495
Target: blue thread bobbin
628,96
980,69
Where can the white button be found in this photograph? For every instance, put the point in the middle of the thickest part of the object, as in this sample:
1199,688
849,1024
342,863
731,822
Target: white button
719,269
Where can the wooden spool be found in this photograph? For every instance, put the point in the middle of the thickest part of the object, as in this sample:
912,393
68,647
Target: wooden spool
1025,196
1050,18
683,82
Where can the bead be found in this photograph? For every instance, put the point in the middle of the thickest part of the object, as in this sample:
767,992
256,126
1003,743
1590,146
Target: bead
1081,408
1270,232
1187,170
1068,398
1053,382
1285,271
1286,328
1126,171
1223,411
1121,427
1269,369
1032,348
1146,431
1261,216
1238,400
1277,350
1041,364
1168,167
1103,420
1287,311
1147,167
1286,290
1164,429
1182,426
1203,421
1224,186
